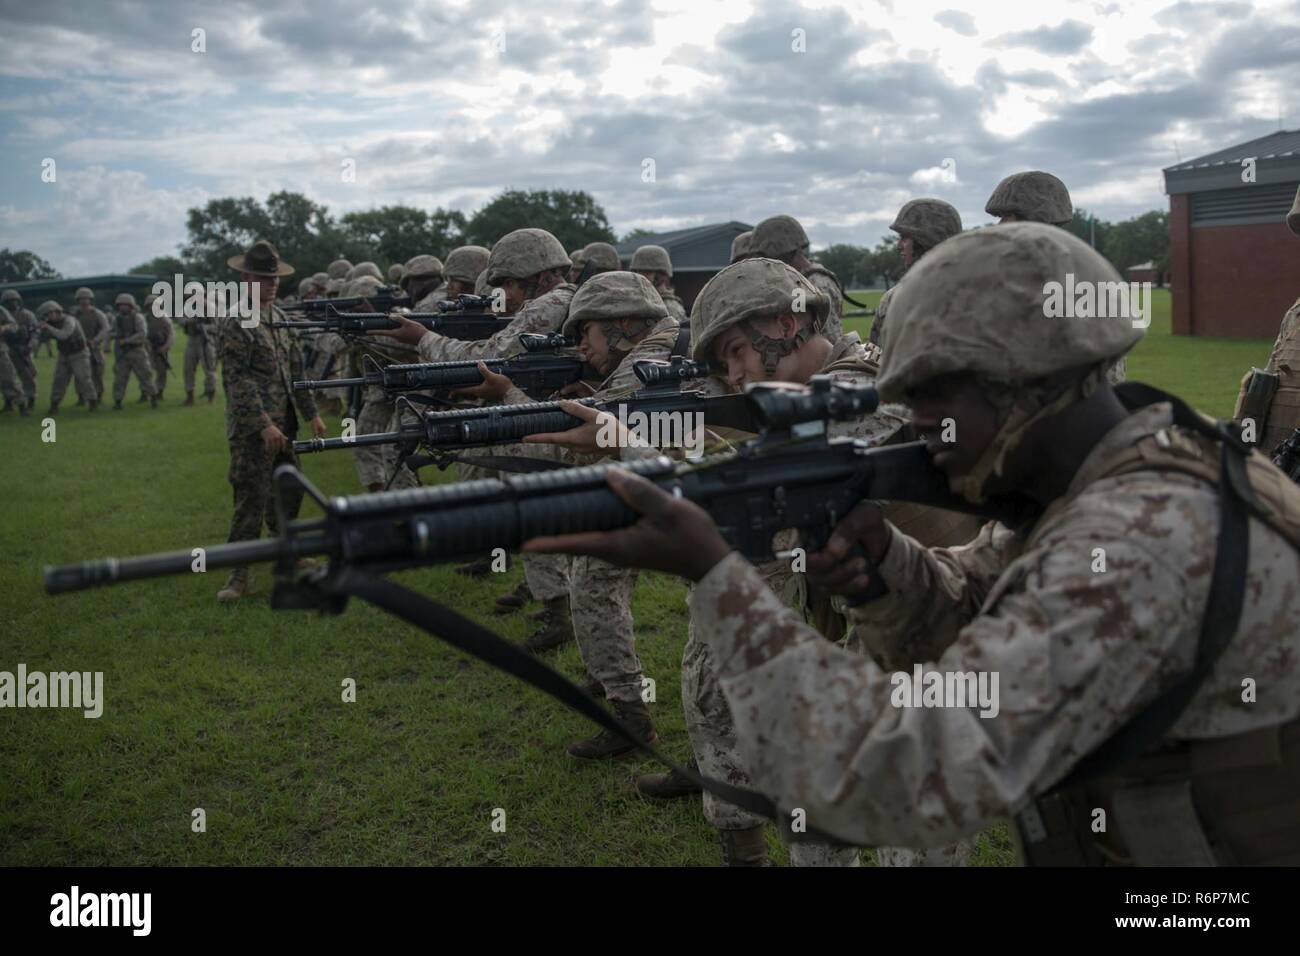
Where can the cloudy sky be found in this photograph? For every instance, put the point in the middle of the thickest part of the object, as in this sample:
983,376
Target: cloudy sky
835,113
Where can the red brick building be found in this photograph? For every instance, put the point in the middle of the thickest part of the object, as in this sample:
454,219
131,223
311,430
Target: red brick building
1235,266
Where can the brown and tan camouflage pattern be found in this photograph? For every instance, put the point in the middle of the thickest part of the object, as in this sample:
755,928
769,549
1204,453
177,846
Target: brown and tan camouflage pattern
1078,653
543,314
1034,196
131,355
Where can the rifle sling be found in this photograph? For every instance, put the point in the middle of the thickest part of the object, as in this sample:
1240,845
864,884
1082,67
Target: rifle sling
472,638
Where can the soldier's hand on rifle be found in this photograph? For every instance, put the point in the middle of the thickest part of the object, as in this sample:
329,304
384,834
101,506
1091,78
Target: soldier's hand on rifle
407,331
494,386
318,427
599,432
273,440
833,569
673,535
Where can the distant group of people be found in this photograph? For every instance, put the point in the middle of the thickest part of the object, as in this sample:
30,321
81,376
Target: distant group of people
141,340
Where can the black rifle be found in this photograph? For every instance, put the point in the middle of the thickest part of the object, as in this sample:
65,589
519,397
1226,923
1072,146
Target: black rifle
382,299
442,432
792,476
470,327
538,370
1287,456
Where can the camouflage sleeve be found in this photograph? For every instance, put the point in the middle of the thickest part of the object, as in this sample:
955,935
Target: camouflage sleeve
1062,658
933,592
103,331
1290,326
244,409
170,337
545,314
65,331
824,283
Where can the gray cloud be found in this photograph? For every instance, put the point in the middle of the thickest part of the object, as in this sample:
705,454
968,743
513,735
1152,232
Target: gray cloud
1068,37
957,21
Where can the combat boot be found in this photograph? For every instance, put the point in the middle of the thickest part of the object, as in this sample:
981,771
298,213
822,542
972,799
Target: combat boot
556,629
80,401
117,405
189,398
236,587
94,404
607,745
744,847
142,399
24,408
211,396
53,410
514,601
668,786
8,405
481,566
153,401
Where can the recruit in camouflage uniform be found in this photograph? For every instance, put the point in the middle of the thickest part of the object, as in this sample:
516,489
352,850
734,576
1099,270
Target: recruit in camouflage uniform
22,343
1275,407
621,320
131,351
74,358
782,237
10,386
740,246
422,282
161,338
460,273
655,264
97,329
258,367
1036,196
528,265
1080,647
376,464
921,225
200,351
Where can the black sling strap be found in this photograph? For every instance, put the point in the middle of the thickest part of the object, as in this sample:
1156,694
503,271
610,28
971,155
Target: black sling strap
1223,605
474,639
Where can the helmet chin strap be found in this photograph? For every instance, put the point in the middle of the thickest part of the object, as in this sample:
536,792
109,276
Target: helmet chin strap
1020,408
771,350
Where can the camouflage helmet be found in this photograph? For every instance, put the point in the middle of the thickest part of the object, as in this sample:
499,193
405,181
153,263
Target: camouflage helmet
603,254
757,288
421,266
365,269
10,295
464,263
395,273
927,221
339,269
1293,217
575,256
335,287
777,237
740,246
321,279
614,295
126,298
963,303
307,285
481,285
149,300
84,293
48,306
524,253
1034,196
362,286
652,259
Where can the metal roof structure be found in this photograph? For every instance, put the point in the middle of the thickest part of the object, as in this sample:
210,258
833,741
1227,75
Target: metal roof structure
1277,160
698,249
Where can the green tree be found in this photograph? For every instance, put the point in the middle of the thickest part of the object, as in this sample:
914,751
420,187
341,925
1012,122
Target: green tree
1144,238
20,265
885,260
164,266
636,234
573,217
1089,228
396,233
850,263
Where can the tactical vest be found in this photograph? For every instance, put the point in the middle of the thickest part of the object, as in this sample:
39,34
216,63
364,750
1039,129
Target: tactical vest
1220,801
75,343
125,327
1284,411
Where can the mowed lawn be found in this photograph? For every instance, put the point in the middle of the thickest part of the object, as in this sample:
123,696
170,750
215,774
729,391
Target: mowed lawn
238,710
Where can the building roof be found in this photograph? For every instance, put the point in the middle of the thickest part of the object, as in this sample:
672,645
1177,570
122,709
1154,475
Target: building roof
698,249
1284,142
108,281
1277,160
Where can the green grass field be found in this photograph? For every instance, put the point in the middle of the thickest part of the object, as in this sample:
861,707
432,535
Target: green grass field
238,710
